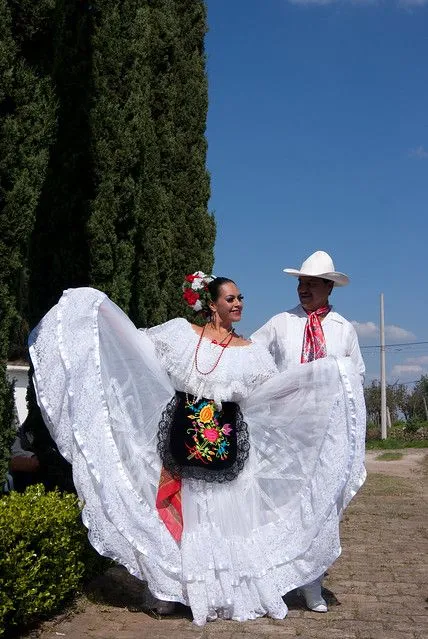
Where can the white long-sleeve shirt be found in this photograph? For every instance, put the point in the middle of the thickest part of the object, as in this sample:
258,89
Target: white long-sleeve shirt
283,336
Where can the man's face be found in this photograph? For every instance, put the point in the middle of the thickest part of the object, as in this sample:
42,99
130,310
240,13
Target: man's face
313,292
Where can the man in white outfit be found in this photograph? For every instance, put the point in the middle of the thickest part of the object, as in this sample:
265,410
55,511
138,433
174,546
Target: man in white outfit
309,331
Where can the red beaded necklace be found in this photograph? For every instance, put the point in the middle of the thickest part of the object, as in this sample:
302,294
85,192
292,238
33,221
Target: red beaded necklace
224,345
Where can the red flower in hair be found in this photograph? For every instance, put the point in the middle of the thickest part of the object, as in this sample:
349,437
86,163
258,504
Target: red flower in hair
190,296
195,291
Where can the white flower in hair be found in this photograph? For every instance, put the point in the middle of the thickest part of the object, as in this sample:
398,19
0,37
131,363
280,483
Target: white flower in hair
200,280
197,284
197,306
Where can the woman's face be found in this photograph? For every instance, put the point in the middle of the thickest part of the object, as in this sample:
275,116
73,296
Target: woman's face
229,303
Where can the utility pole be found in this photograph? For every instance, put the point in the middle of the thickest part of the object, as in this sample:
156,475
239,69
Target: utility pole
426,407
383,429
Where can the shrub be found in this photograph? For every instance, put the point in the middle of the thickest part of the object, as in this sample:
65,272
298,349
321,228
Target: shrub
404,434
414,425
372,431
44,557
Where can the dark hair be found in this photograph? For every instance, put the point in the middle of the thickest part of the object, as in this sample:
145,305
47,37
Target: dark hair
215,285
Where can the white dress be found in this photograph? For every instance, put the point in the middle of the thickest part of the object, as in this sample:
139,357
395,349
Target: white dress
102,386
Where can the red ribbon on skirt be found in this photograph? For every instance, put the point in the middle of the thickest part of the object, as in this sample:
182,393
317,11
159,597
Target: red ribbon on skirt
168,503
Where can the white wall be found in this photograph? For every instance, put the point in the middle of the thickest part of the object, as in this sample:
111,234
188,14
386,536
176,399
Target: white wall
20,375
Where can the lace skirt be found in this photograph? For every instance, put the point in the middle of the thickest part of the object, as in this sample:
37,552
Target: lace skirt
246,542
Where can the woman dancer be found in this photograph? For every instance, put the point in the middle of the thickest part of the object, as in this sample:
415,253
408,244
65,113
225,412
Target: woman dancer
202,469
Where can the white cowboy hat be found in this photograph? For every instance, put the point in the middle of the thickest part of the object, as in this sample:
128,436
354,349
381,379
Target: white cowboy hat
319,264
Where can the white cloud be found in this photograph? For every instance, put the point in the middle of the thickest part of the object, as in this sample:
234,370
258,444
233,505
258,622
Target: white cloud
408,4
366,329
392,332
325,2
420,153
421,361
412,3
405,370
412,368
307,2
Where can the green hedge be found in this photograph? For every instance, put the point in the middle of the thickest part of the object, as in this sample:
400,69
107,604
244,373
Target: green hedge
44,554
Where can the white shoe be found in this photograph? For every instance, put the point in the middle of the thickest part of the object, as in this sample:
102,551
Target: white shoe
212,615
313,597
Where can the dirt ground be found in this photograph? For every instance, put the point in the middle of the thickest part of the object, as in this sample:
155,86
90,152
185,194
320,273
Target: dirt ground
410,464
376,590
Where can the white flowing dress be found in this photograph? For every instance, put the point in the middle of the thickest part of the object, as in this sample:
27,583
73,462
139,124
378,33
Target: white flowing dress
102,386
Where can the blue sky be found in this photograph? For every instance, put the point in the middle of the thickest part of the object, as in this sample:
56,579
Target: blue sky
318,139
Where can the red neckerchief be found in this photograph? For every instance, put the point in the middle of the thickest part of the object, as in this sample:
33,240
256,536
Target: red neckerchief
314,346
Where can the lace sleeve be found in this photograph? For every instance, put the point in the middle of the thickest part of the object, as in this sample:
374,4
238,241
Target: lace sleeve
171,341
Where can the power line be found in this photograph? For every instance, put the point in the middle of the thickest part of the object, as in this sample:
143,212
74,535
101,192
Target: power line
394,345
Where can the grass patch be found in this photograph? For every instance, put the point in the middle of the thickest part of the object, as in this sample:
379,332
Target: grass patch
378,485
391,443
388,456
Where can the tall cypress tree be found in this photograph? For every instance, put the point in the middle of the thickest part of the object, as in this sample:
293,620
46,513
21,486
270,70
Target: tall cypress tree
155,245
124,204
59,254
178,107
195,227
27,110
129,201
149,223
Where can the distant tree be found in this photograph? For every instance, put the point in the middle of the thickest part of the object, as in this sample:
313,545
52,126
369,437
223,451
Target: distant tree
403,398
403,401
372,395
420,392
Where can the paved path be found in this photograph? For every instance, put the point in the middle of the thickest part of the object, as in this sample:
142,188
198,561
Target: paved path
378,588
